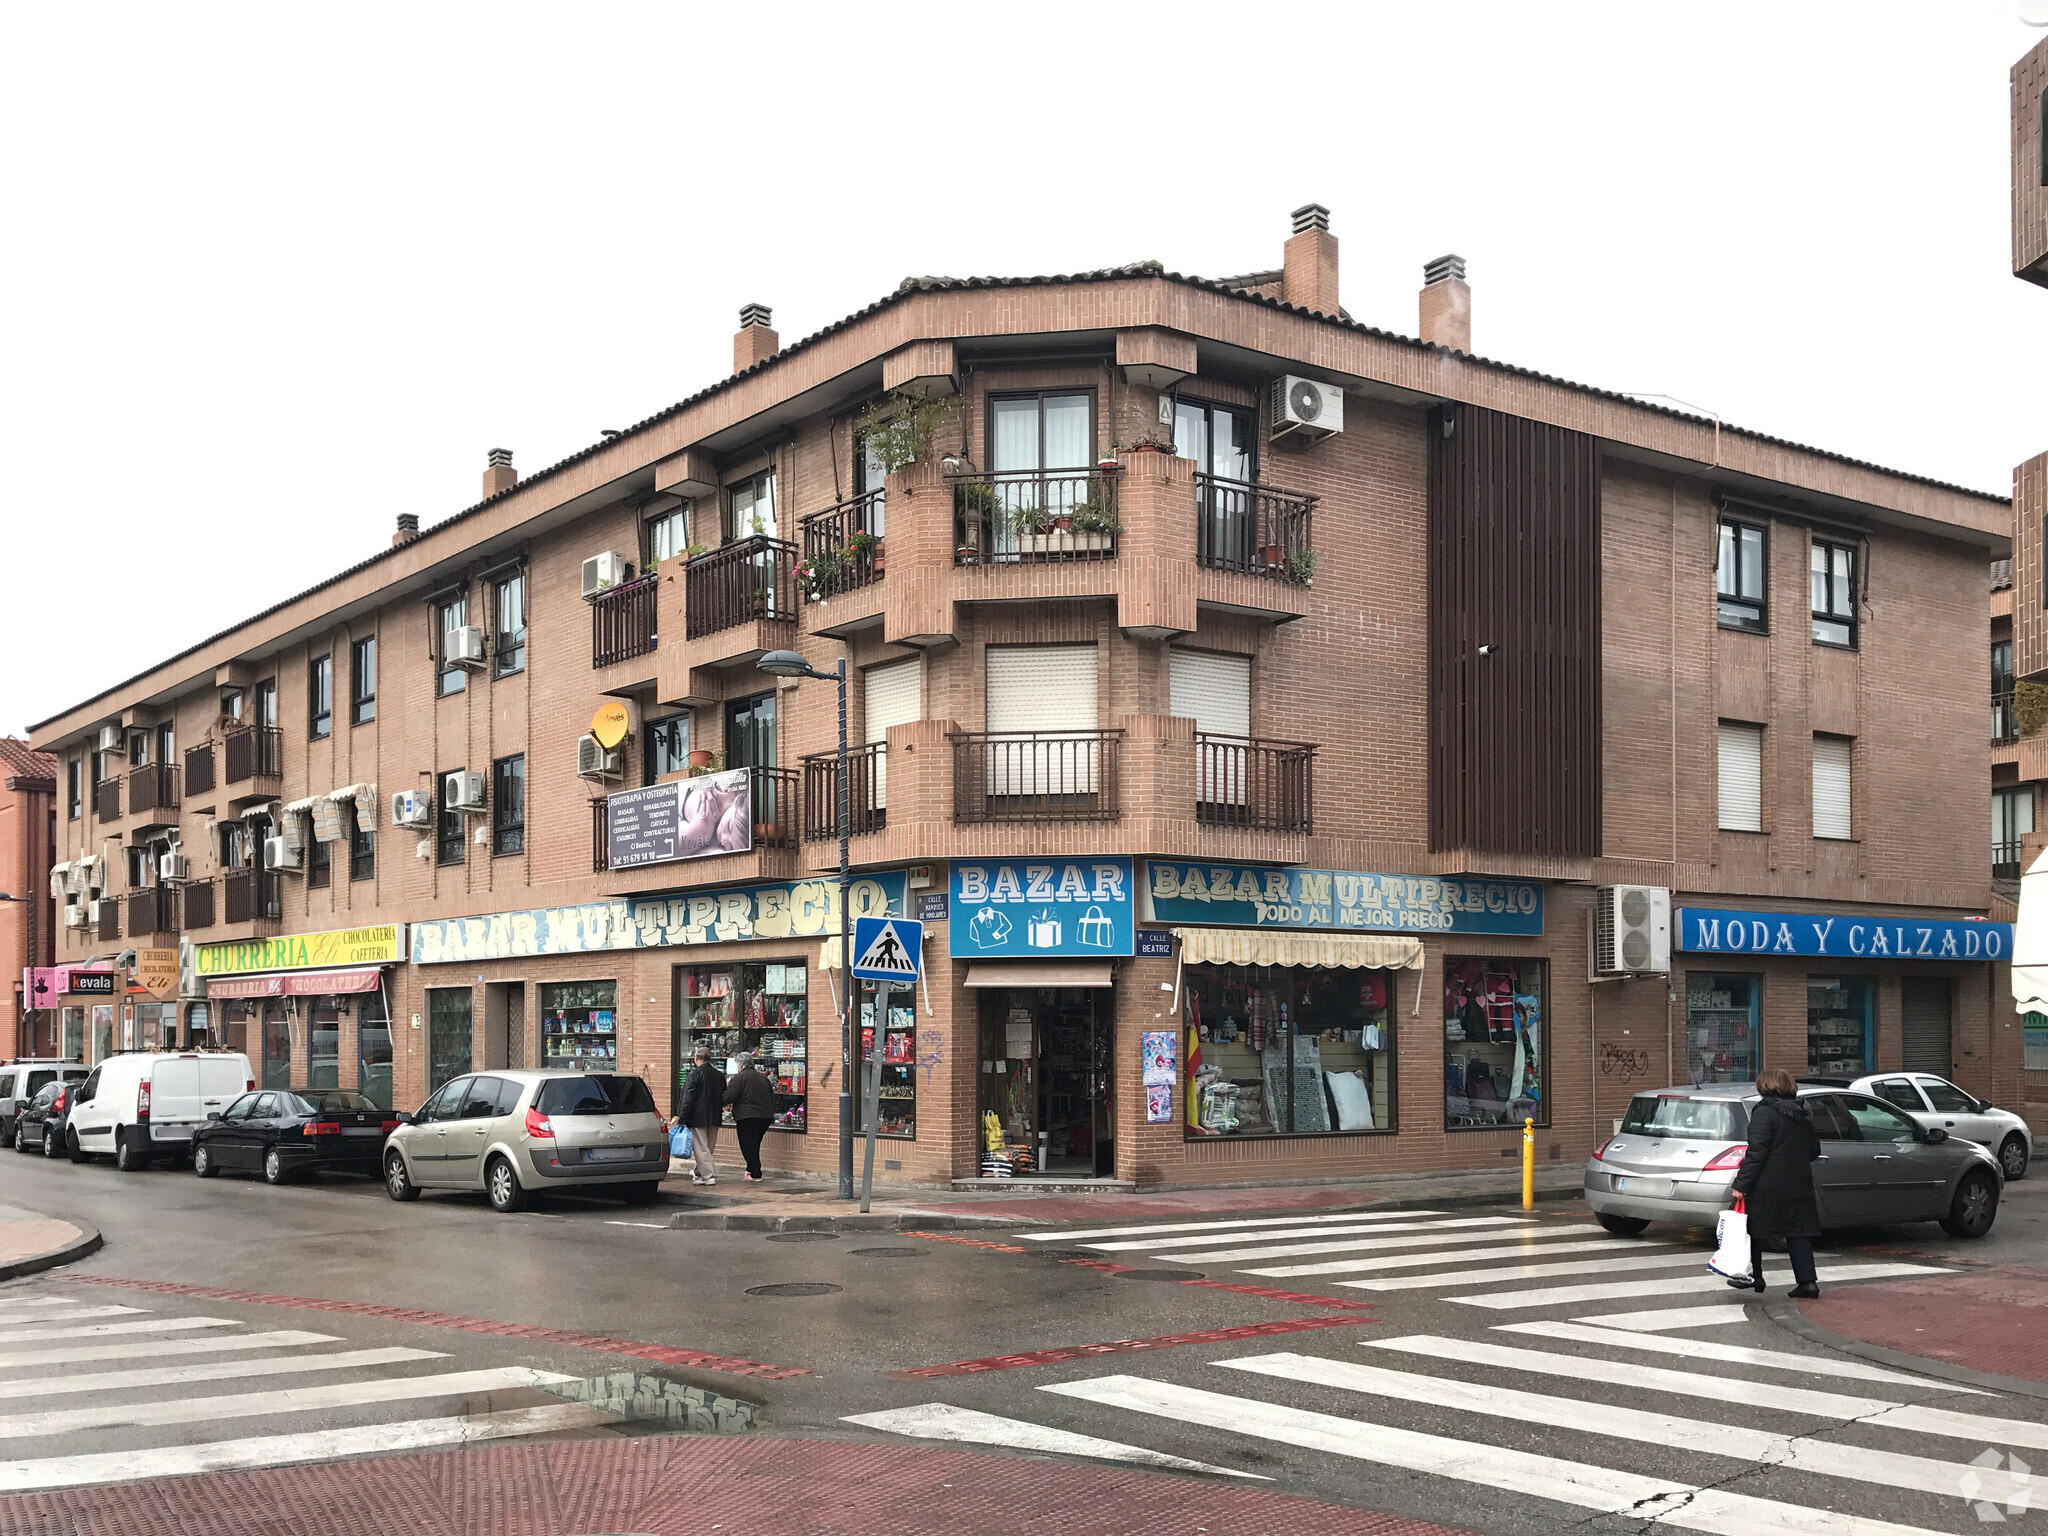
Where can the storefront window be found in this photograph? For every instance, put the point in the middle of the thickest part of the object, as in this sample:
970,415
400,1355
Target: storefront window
760,1008
158,1025
1287,1050
196,1031
1496,1042
323,1063
373,1051
449,1051
277,1045
102,1031
579,1023
897,1097
1839,1025
74,1034
1721,1028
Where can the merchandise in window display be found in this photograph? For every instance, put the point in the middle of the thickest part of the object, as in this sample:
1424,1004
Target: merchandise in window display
897,1115
1720,1029
1494,1042
1282,1050
762,1008
1837,1025
579,1025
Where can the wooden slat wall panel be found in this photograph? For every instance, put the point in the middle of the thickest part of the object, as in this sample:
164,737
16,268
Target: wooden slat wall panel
1514,563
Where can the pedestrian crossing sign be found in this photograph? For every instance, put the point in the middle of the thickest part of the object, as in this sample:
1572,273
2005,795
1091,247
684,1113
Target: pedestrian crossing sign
887,948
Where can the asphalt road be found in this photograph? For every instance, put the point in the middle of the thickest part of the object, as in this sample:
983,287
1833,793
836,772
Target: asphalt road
1435,1424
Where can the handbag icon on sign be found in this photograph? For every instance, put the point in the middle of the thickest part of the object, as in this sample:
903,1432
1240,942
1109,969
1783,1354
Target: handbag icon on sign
1044,930
1095,930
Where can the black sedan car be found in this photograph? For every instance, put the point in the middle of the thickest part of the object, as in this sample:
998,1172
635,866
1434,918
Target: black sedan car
40,1125
285,1132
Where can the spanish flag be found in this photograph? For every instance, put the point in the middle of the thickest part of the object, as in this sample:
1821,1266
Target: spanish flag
1194,1055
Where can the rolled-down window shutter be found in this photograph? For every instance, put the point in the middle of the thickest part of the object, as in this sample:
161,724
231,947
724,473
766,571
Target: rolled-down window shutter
1742,777
1216,693
1042,689
895,696
1831,786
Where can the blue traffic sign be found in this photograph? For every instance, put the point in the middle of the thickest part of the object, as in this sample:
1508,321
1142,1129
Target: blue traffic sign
887,948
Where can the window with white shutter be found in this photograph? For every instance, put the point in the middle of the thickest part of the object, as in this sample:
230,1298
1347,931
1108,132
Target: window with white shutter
1043,697
895,696
1214,691
1831,786
1742,777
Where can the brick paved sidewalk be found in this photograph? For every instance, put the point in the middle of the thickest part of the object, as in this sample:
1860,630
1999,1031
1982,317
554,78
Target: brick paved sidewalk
687,1485
31,1242
1992,1320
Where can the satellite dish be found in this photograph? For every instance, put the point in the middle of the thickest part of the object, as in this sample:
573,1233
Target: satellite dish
1307,400
2034,12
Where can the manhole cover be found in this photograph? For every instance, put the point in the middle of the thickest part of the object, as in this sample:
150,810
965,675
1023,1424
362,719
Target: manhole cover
889,1253
1160,1274
803,1237
794,1288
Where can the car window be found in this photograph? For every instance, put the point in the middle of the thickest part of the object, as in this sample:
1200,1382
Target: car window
37,1080
601,1093
330,1101
295,1104
1668,1115
1875,1121
90,1086
44,1095
509,1092
1947,1098
1829,1123
266,1106
443,1105
1896,1090
481,1102
241,1108
6,1085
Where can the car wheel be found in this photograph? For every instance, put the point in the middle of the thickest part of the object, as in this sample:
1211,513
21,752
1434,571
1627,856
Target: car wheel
20,1138
1624,1226
2012,1156
202,1161
1975,1207
641,1194
274,1169
126,1158
78,1153
50,1143
501,1183
398,1183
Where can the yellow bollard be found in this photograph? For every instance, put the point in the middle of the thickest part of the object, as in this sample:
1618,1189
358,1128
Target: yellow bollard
1528,1164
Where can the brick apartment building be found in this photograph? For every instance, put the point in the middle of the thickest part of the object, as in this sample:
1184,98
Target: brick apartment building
28,788
1251,702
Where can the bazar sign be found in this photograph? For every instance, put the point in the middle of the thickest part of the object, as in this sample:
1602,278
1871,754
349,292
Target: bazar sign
383,945
1241,896
1709,932
1041,908
795,909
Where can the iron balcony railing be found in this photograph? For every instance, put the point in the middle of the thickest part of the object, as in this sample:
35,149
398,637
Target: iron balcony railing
199,769
2005,861
1268,786
867,785
1037,776
773,803
253,752
600,834
154,909
1023,516
199,904
2005,725
753,578
153,787
251,896
1257,529
622,621
109,925
842,547
106,799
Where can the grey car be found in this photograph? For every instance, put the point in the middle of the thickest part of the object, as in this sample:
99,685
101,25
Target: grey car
1676,1153
1935,1101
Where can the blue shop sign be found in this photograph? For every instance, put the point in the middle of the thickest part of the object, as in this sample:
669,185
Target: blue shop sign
1244,896
1040,908
1839,935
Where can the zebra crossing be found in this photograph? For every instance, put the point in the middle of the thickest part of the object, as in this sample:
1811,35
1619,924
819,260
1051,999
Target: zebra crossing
1584,1363
256,1397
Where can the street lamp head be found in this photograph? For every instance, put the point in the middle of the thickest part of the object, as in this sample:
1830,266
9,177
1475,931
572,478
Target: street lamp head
787,664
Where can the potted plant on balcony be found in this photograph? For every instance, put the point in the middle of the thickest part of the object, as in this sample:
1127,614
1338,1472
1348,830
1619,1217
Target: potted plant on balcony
864,547
1033,527
1094,524
703,761
1301,567
899,429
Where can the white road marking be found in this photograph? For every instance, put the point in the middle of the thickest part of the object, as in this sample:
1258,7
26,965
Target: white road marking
1525,1242
1501,1275
1270,1244
288,1450
1734,1354
217,1370
652,1226
1665,1319
114,1330
1622,1290
157,1349
1888,1469
26,1309
942,1421
1220,1226
1649,1500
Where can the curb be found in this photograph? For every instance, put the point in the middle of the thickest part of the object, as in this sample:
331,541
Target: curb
88,1241
1786,1315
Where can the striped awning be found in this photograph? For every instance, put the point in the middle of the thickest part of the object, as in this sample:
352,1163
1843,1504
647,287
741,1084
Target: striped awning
1269,946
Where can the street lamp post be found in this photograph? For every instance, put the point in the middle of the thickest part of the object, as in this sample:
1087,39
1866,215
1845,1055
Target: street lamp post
790,664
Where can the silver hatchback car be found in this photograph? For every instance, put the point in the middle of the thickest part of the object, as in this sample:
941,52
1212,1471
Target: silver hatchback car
1932,1101
1675,1157
515,1133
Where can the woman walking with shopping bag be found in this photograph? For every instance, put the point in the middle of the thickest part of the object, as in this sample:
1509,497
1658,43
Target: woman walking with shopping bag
1775,1180
752,1098
699,1110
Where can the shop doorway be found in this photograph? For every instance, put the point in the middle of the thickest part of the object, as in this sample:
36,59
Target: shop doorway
1048,1081
277,1045
1926,1025
504,1025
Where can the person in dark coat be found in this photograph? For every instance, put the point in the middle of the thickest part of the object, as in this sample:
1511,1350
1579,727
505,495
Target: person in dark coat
752,1097
701,1107
1776,1180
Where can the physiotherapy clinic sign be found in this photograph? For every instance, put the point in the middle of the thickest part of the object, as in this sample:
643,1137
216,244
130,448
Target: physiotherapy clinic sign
381,945
1839,935
1340,900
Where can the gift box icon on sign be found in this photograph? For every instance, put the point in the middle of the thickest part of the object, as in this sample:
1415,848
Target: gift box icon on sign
1043,931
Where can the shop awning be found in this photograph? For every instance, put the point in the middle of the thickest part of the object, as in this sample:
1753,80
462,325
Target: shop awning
295,983
1039,973
1263,946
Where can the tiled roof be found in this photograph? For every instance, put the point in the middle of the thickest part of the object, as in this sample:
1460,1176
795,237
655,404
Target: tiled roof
20,761
936,284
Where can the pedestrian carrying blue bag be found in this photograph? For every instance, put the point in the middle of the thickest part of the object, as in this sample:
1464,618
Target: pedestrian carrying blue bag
679,1141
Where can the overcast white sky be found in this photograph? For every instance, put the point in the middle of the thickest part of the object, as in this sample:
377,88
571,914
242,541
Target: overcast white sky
273,274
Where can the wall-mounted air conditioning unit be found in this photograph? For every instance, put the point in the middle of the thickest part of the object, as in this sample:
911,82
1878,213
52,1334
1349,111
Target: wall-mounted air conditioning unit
465,647
92,912
462,790
74,916
594,762
1304,409
412,808
173,866
112,739
601,572
279,854
1631,930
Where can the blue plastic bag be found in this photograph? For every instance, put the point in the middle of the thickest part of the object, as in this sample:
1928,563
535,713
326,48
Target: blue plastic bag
679,1141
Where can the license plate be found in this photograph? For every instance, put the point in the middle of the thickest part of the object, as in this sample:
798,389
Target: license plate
362,1130
613,1155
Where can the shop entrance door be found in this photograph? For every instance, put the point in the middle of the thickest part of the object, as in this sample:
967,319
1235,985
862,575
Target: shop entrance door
1048,1078
1926,1029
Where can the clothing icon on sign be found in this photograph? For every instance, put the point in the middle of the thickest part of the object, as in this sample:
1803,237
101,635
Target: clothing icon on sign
1044,932
1095,929
989,929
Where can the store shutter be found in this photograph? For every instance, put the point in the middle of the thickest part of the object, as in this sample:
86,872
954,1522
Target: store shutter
1216,693
1924,1017
1742,777
1831,786
1042,689
895,696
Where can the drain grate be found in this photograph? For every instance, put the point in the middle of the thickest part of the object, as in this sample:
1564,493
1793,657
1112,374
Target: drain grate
656,1400
803,1237
890,1253
1160,1274
1063,1255
794,1288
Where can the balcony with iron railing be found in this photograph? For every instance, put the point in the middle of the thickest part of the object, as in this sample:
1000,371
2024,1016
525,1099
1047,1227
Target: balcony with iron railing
153,793
251,896
106,800
252,752
867,782
841,548
1255,530
749,580
622,621
2005,725
1034,516
1037,776
198,773
108,926
197,898
2006,860
152,910
773,808
1264,786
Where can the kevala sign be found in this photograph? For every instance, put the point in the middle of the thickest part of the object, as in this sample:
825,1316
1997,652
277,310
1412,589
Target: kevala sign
1857,936
1241,896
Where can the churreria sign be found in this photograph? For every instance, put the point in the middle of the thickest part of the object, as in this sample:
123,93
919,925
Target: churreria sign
384,945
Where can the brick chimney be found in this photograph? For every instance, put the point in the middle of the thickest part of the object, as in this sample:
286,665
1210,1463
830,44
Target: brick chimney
756,339
499,474
408,529
1446,304
1310,261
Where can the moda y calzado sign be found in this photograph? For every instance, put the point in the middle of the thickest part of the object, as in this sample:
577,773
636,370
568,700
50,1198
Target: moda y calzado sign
1849,936
1244,896
383,945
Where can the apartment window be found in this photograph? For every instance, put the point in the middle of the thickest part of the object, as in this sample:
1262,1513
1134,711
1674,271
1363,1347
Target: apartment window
1739,577
871,475
1742,777
508,603
231,703
450,827
266,703
362,681
448,618
1831,787
140,866
320,697
667,533
319,864
362,847
750,507
2004,724
138,749
1216,437
1834,593
74,796
166,742
668,746
234,844
2012,818
508,804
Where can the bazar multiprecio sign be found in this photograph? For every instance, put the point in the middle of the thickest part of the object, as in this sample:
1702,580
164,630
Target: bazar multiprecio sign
1244,896
384,945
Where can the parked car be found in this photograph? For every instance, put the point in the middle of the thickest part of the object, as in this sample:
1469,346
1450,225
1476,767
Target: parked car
1675,1156
285,1132
21,1080
511,1134
1935,1101
40,1125
140,1105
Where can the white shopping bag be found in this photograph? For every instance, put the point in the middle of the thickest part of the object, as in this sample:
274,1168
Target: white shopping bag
1732,1257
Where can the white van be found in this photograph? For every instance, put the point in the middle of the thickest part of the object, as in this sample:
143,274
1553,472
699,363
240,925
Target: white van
137,1105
